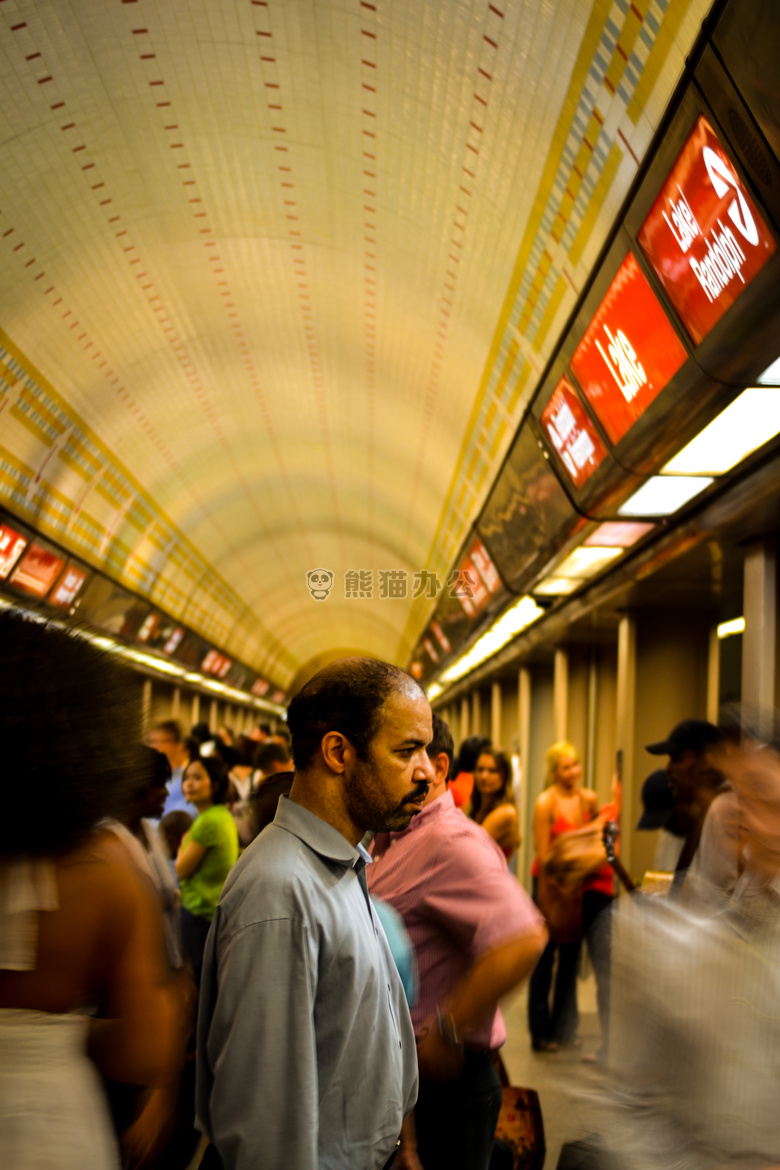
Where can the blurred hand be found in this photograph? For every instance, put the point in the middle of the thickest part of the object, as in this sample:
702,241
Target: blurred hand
437,1060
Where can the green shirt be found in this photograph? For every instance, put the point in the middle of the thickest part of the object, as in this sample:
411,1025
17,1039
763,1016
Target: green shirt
216,831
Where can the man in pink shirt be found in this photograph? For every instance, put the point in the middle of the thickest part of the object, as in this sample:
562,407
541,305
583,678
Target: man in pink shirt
476,935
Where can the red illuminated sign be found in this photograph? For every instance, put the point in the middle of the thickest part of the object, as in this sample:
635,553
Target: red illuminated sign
150,624
432,653
572,434
12,545
441,637
174,640
37,571
68,586
260,687
629,352
475,580
704,236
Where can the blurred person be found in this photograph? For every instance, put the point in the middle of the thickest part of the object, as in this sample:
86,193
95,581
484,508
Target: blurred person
562,808
171,830
225,735
281,736
658,813
704,812
463,769
264,801
696,1030
270,758
492,805
476,935
79,930
145,850
315,1066
172,1104
260,732
166,737
208,851
241,772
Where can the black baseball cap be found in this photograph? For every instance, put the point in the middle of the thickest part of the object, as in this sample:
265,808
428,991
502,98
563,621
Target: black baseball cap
690,735
657,801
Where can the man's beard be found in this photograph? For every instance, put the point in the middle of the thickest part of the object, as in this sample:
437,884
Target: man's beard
368,807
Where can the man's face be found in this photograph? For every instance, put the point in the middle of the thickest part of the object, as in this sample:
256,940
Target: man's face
755,773
161,741
387,788
694,779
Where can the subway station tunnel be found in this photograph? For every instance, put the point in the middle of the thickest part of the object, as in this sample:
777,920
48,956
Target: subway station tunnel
391,329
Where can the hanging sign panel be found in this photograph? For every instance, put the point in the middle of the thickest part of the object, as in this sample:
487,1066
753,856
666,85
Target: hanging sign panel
704,235
629,352
12,545
37,570
571,433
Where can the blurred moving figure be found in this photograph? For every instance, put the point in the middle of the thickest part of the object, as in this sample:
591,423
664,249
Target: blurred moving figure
562,808
463,784
171,829
491,801
207,853
696,1026
476,935
79,930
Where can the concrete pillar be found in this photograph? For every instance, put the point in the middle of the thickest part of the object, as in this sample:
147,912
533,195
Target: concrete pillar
495,714
626,701
524,811
476,712
195,712
592,716
464,718
176,703
213,715
758,646
146,706
561,692
713,676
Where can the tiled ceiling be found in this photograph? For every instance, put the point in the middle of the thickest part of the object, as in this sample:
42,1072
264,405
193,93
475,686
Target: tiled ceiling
278,277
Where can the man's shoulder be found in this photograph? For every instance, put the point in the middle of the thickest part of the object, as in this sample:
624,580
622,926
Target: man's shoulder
270,879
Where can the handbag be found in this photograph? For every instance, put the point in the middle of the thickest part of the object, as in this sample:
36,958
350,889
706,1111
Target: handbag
561,905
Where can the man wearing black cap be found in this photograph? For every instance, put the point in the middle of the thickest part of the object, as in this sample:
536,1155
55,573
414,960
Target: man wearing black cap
702,803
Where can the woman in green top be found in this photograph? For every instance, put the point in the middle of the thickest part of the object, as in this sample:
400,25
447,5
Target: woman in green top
206,854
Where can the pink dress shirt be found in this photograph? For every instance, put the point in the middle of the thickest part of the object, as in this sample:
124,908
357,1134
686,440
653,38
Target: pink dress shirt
449,882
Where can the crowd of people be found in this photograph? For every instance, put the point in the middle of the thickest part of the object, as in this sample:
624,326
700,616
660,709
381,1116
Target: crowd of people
295,943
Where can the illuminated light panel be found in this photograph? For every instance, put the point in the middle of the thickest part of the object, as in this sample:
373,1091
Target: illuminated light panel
727,629
586,562
751,420
664,494
771,375
512,622
555,586
434,691
618,533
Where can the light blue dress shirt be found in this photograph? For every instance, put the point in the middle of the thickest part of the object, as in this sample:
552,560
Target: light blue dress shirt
306,1054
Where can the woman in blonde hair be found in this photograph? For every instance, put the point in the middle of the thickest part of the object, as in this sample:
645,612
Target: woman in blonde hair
562,808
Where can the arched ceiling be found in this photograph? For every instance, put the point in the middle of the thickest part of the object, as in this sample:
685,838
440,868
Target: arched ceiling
278,277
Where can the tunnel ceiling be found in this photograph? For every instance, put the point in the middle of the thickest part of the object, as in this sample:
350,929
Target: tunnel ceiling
278,278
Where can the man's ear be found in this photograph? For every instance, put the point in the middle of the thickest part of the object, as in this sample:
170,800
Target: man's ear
441,767
337,752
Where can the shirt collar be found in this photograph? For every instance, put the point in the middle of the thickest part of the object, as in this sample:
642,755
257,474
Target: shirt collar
317,834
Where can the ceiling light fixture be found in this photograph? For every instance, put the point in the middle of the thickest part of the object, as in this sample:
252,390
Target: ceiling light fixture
771,375
750,421
728,629
618,534
663,494
512,622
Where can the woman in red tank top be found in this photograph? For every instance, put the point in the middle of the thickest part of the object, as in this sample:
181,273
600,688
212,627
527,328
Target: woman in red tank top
563,807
